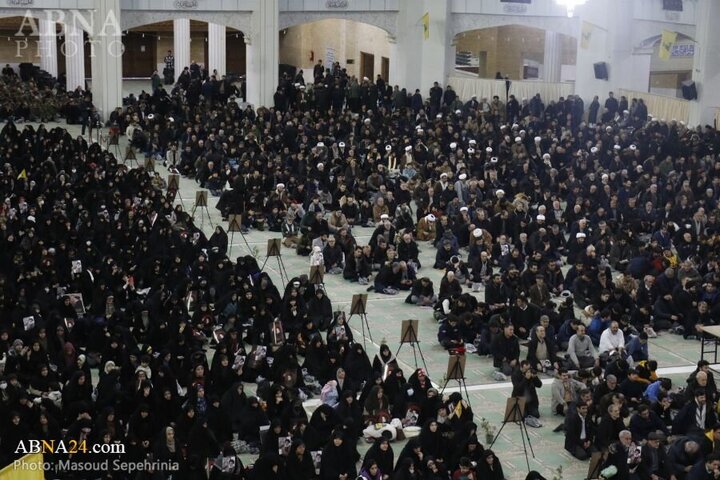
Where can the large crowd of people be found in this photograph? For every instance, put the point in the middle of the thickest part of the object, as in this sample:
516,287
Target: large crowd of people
104,272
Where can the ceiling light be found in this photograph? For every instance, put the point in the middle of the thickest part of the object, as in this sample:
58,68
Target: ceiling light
570,5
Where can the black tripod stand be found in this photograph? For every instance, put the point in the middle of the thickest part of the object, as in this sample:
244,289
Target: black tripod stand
201,201
359,307
235,226
317,276
409,334
515,413
113,141
130,156
173,189
456,371
273,250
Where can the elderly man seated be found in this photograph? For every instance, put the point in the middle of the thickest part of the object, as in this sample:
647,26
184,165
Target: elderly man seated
612,342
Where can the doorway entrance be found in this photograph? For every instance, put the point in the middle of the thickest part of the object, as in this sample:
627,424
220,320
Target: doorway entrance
367,65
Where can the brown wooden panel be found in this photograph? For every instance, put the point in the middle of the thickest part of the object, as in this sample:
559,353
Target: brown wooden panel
236,54
139,57
367,65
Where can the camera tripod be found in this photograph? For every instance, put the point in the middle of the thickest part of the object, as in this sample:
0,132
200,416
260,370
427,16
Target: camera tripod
273,250
514,413
113,141
456,371
359,307
130,156
201,202
409,335
234,225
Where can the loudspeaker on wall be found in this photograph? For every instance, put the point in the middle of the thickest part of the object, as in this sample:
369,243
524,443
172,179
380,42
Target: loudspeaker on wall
601,70
689,90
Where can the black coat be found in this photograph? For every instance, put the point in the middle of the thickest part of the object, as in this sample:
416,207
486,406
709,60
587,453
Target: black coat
504,348
300,468
573,429
684,422
336,461
608,431
645,469
385,459
532,351
526,387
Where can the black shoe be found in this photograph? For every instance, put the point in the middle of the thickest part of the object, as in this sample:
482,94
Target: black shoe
559,428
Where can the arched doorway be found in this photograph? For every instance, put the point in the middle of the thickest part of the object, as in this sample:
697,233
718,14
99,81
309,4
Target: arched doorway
20,44
146,47
362,49
667,76
519,52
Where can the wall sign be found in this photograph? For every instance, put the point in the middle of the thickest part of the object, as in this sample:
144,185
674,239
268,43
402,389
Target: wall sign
686,50
20,3
336,3
514,8
186,4
329,57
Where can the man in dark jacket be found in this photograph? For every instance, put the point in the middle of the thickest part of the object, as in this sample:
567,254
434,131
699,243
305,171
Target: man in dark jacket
436,93
525,384
333,257
542,351
422,293
449,333
707,470
506,350
611,108
653,459
579,433
682,456
695,417
497,294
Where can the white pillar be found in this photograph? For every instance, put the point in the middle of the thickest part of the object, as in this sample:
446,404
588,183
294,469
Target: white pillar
405,54
593,46
396,77
106,55
181,44
620,31
706,71
435,62
48,47
552,57
263,54
249,61
419,62
74,48
217,49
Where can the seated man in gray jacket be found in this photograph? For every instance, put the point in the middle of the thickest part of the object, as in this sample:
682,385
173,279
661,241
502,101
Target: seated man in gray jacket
581,352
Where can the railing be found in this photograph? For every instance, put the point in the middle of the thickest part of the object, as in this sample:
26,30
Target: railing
466,87
660,106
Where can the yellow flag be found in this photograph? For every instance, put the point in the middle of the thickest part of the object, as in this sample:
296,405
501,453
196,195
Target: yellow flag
23,175
29,468
426,25
666,44
458,409
586,35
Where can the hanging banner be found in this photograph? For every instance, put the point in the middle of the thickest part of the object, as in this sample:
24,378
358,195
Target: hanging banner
666,44
426,25
586,35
